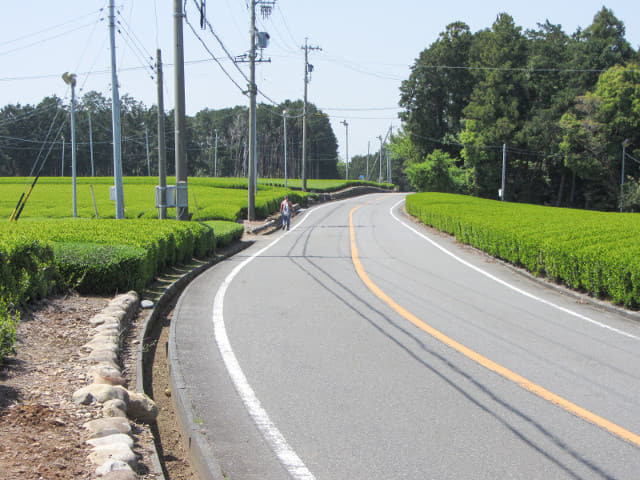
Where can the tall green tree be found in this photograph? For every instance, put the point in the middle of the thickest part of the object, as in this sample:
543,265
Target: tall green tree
438,89
594,131
499,103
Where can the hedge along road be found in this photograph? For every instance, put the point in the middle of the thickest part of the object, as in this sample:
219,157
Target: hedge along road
297,368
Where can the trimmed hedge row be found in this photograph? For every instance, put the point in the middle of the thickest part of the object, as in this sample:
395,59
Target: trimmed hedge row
595,252
27,268
94,256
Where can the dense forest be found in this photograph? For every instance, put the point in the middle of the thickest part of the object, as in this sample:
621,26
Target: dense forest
562,104
31,136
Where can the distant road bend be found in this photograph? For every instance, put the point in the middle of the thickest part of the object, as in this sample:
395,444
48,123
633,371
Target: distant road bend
361,345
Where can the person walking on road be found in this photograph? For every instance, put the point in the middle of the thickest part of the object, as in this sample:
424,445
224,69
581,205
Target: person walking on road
285,209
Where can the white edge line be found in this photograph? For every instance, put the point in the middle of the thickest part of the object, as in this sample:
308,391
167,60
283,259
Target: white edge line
286,455
508,285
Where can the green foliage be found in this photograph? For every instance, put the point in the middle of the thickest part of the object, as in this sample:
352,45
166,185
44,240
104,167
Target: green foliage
8,323
27,270
99,268
226,232
107,248
561,103
438,173
595,252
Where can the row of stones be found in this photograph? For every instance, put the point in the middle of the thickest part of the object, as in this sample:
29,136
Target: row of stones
110,437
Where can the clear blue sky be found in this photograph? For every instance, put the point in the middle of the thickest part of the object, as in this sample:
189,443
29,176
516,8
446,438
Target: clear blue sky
367,49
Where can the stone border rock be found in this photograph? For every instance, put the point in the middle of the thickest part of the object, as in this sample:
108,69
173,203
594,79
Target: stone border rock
110,436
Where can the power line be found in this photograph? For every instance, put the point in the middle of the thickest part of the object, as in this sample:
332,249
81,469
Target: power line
6,52
30,35
514,69
213,56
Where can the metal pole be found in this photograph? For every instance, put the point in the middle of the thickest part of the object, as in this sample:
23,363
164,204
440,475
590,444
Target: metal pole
162,151
380,166
304,117
388,167
284,116
146,137
62,169
624,154
115,119
368,150
182,213
251,191
93,170
346,126
504,171
73,149
215,157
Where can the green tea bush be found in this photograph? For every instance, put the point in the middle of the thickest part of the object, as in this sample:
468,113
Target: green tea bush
103,269
27,270
594,252
8,323
90,254
225,232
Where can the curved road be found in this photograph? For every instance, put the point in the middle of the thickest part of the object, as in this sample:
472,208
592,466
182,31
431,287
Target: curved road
359,345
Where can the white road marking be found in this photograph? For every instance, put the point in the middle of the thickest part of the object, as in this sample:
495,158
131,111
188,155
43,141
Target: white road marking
508,285
286,455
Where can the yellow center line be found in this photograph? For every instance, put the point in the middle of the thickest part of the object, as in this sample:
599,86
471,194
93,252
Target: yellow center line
485,362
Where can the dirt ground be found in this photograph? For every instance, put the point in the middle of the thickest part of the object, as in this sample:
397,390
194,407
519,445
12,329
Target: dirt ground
41,434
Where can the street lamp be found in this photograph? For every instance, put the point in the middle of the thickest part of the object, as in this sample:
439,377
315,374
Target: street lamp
625,144
346,126
70,79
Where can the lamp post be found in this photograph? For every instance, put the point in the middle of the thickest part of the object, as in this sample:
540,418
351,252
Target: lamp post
624,154
346,126
70,79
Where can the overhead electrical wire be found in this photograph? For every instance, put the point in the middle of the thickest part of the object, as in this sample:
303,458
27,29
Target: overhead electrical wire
214,57
38,42
512,69
31,35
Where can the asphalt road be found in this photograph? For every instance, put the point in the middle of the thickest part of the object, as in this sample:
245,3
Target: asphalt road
359,345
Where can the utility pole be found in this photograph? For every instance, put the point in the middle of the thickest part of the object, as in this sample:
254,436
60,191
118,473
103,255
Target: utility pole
215,157
380,173
62,169
624,154
388,157
115,119
182,212
368,150
146,139
162,151
251,191
504,171
266,7
93,170
70,79
346,126
307,70
284,117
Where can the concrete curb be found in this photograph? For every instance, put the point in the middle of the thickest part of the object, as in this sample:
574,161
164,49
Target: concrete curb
198,449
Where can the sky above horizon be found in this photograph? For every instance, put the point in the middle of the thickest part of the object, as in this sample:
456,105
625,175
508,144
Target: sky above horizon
367,51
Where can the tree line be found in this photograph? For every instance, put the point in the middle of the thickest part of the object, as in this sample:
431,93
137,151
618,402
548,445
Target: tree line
34,136
561,104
